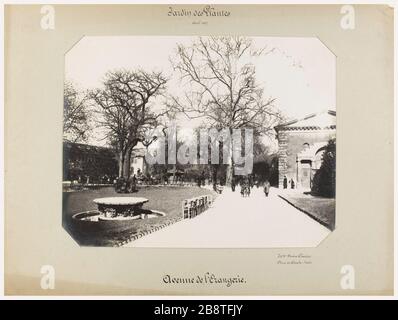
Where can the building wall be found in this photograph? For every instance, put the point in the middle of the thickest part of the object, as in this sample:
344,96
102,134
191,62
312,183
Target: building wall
291,143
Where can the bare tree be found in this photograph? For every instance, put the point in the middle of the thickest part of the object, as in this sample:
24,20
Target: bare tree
224,89
76,114
126,110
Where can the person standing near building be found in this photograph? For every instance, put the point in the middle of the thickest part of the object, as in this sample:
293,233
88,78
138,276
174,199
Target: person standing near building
284,182
267,187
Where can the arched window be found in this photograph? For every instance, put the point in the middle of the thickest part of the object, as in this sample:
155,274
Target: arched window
306,145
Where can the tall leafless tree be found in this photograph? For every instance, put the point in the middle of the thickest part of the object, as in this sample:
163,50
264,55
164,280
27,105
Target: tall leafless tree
127,113
224,89
76,114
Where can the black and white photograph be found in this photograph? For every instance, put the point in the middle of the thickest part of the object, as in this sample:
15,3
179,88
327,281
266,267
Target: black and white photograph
197,151
199,142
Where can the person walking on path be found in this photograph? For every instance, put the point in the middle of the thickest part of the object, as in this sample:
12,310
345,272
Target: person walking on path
267,186
199,181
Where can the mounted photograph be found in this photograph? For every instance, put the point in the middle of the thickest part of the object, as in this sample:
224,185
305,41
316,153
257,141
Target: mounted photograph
199,142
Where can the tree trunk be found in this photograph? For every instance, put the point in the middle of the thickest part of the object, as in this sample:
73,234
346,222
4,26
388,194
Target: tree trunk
127,163
214,173
230,166
174,173
146,166
230,172
121,163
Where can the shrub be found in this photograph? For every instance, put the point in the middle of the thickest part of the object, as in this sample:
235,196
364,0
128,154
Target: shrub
324,182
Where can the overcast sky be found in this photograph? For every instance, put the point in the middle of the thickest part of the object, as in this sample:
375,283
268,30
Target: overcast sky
300,73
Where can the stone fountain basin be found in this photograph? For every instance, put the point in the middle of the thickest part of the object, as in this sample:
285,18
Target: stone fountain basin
120,206
114,215
147,214
92,222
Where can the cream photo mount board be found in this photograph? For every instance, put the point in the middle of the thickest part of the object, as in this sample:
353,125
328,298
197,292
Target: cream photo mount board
41,258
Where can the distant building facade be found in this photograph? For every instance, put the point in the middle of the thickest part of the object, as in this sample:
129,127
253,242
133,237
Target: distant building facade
301,144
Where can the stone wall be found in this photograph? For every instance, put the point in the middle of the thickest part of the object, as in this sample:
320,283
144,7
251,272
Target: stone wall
290,143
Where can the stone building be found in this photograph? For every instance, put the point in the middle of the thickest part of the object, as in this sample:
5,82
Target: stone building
301,144
138,164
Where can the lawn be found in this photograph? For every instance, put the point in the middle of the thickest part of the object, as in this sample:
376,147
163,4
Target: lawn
165,199
320,209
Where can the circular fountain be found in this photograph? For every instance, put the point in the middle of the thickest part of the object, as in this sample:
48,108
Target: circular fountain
114,214
120,207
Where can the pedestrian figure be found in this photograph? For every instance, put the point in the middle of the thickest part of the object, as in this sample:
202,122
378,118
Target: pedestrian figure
202,179
242,188
245,188
292,184
120,185
285,183
267,186
165,178
233,184
251,181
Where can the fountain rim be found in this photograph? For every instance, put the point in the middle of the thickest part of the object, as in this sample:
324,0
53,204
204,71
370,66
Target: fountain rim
121,201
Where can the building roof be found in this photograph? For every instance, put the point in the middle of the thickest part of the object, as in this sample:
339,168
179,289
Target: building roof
315,121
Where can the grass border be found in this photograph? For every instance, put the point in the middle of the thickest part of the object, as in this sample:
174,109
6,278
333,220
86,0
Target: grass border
307,213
